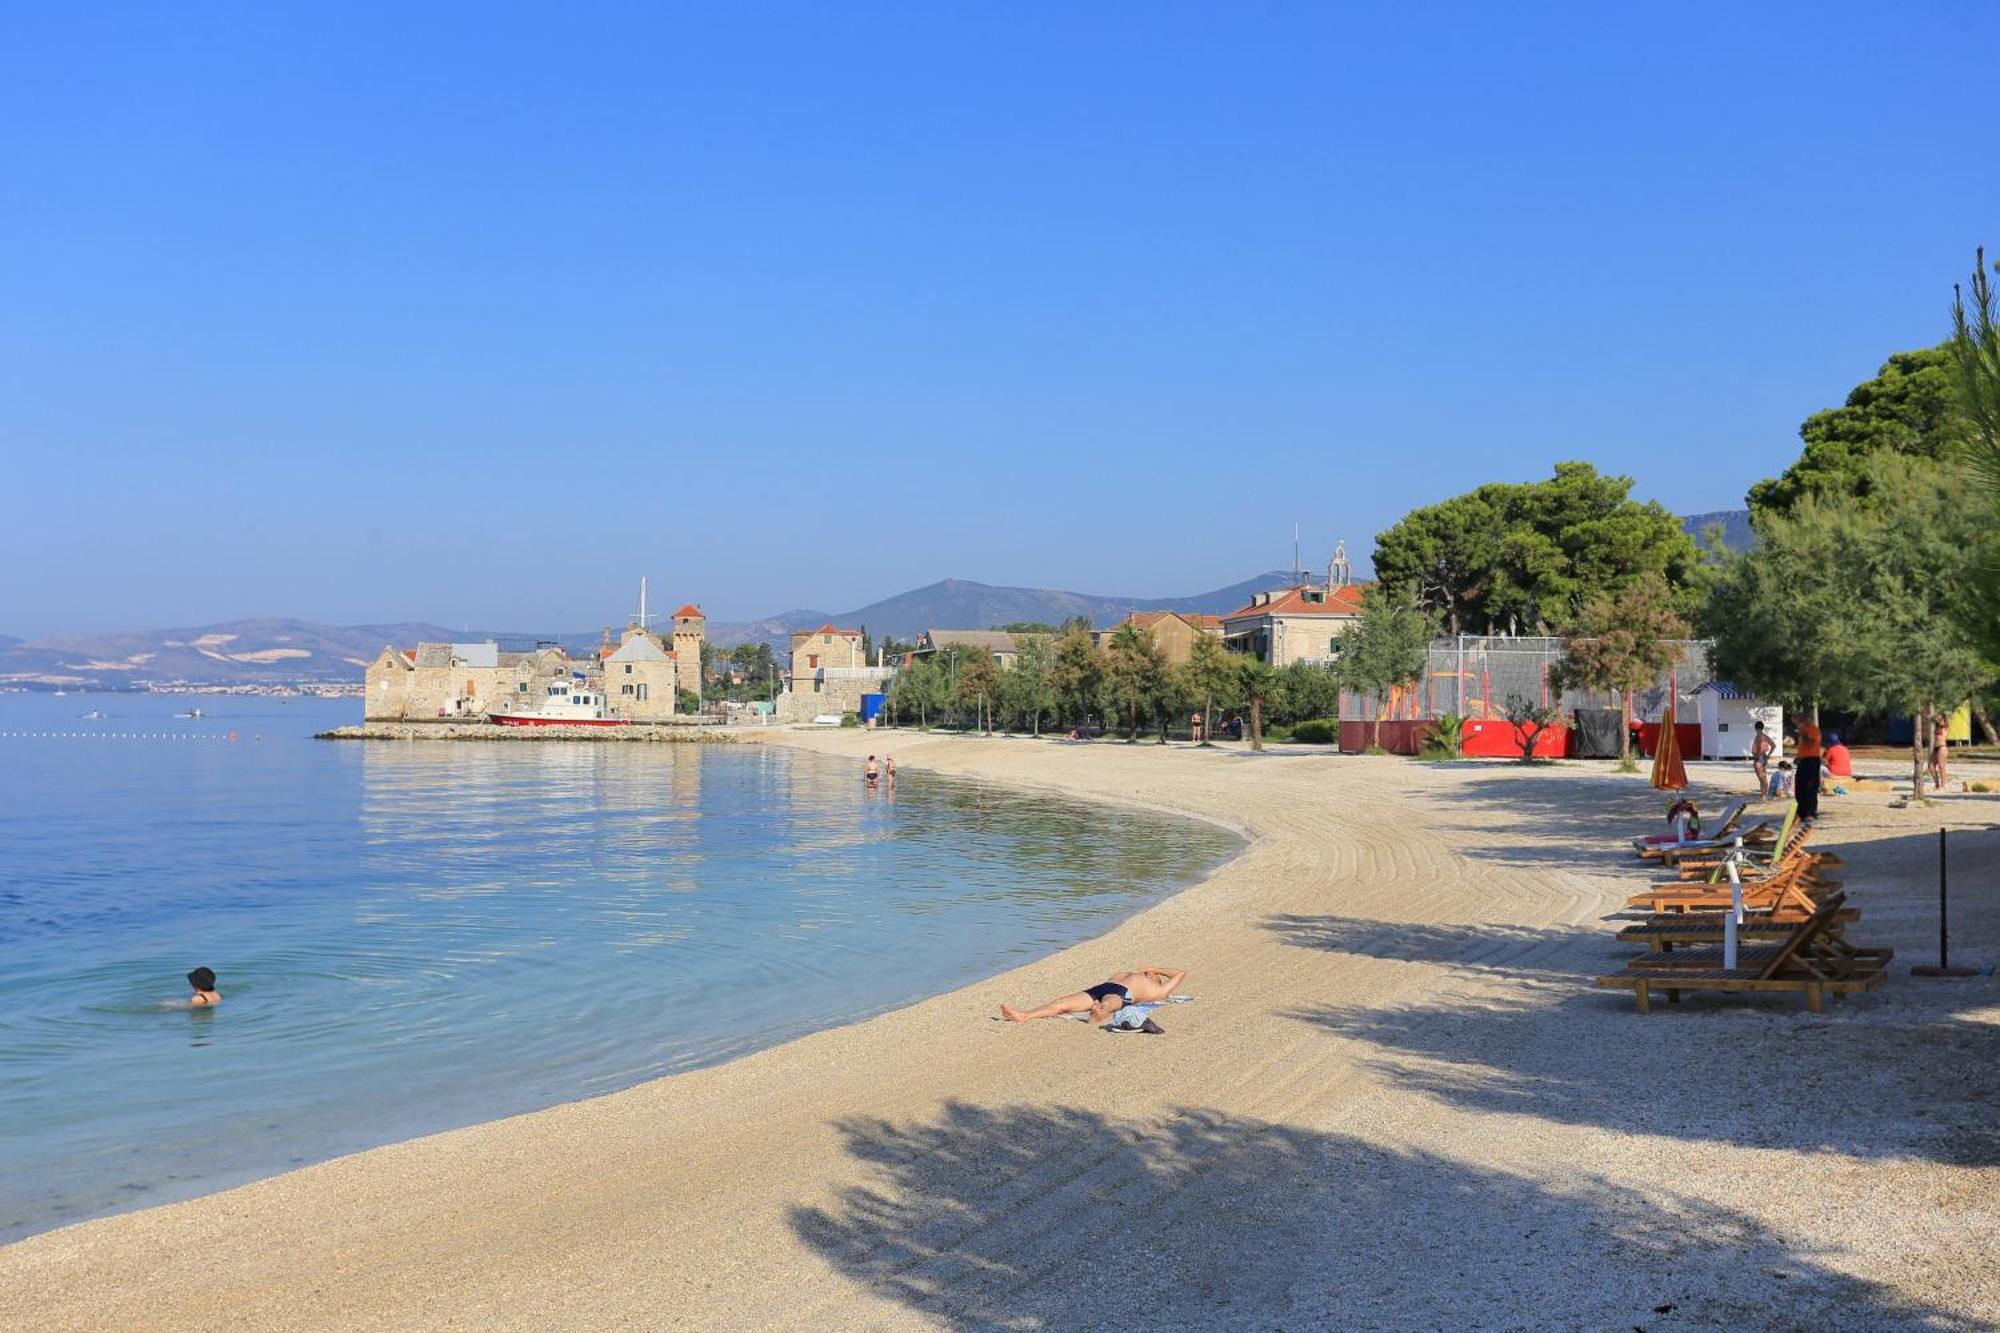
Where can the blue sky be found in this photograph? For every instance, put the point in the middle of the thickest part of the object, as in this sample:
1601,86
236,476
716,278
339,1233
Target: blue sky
475,314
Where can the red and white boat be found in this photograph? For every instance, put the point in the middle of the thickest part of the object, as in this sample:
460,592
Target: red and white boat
566,705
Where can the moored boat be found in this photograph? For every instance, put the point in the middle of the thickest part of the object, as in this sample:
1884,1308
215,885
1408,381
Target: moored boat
566,705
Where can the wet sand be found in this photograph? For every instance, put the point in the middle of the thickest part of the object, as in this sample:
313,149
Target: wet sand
1397,1102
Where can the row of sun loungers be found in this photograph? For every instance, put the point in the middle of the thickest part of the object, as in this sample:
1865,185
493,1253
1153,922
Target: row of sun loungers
1792,937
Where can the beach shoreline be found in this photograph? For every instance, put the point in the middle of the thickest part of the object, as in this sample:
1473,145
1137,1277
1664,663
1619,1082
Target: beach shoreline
932,1167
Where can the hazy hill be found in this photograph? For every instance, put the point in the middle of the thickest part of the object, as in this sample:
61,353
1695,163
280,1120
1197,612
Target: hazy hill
1736,534
962,604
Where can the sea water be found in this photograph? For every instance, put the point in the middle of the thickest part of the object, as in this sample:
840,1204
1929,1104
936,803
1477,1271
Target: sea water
417,935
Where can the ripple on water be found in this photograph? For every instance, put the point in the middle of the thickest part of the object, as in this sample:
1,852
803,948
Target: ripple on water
411,937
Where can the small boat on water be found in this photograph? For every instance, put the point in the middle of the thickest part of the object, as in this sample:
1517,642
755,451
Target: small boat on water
192,712
566,705
95,714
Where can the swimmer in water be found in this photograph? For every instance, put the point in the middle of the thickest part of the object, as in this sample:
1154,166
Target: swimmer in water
870,772
205,993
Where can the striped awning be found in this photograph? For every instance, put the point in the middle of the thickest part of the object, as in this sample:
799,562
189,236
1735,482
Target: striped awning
1723,689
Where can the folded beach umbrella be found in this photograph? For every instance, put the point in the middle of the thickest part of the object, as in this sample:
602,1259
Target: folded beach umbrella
1669,773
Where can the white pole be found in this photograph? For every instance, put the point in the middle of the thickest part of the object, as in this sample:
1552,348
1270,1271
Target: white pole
1735,917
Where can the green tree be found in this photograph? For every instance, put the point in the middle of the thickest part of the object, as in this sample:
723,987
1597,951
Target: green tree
1173,695
1306,691
1078,673
1133,667
1622,642
1212,676
978,681
1385,648
1027,627
919,689
1027,691
1909,408
1858,600
1975,350
1529,718
1258,684
1508,557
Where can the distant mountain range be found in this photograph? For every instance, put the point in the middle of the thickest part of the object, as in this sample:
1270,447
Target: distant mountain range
283,652
1735,524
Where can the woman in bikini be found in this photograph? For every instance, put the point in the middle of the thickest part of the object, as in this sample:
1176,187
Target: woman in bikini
1142,985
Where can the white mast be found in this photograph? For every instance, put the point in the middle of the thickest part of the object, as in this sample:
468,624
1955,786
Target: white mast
642,602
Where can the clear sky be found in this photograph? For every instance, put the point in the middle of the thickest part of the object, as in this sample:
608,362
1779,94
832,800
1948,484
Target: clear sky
477,313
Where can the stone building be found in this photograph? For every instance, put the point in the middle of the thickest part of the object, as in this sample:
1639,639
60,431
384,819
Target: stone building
829,673
641,677
1174,632
690,629
1296,624
436,680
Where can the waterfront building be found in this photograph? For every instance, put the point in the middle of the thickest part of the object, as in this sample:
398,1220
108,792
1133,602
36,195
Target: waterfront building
1302,623
457,680
1173,632
1002,647
829,673
641,677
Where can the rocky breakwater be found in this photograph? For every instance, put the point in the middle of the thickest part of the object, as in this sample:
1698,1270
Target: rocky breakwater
669,733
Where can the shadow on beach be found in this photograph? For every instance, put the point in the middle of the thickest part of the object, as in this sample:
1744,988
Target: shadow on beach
1748,1071
1050,1218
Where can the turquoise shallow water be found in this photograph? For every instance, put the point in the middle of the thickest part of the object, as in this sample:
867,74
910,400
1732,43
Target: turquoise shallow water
416,936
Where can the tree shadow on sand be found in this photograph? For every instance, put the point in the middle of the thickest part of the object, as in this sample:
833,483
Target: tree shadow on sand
1747,1070
1025,1217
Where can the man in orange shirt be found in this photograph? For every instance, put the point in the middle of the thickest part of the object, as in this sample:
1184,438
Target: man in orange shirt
1808,756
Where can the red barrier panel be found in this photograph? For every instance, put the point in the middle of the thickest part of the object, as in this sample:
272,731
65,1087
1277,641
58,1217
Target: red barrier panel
1490,738
1397,737
1687,733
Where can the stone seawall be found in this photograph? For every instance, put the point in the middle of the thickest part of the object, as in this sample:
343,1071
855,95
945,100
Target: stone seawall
665,733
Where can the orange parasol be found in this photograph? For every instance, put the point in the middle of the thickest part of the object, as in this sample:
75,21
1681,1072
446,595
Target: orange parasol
1669,773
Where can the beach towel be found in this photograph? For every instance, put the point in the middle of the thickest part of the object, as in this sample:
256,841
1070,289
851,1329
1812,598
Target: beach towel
1139,1017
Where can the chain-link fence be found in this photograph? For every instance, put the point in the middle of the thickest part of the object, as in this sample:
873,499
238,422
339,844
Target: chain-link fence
1474,675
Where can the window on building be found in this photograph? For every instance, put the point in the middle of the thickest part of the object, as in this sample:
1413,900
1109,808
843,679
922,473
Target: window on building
625,690
628,668
642,690
522,688
826,638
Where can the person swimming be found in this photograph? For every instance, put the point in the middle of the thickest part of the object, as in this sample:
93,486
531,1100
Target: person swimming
1142,985
205,993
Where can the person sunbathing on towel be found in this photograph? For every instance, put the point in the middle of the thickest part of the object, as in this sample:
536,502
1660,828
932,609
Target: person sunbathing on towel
1142,985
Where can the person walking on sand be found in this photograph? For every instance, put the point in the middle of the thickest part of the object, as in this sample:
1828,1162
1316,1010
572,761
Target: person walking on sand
1760,759
1807,779
1142,985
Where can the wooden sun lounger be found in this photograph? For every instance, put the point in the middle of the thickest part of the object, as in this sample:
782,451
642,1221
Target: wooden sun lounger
1673,852
1709,865
1756,955
1720,835
1661,933
1803,964
1791,886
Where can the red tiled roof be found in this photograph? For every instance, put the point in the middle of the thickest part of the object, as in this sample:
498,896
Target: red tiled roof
410,653
689,610
1344,601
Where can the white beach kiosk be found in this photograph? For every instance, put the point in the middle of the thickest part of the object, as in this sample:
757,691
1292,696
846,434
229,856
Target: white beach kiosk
1729,719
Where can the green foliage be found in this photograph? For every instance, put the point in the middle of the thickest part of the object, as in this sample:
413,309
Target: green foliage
919,690
1446,737
1213,675
1975,350
686,701
1529,718
1858,601
1258,684
1077,675
1028,627
1385,648
1305,691
1133,668
1509,557
850,719
1027,692
978,680
1623,641
1909,408
1317,731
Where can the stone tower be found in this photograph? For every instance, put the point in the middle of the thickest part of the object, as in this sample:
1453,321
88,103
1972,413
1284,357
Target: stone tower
1339,573
690,629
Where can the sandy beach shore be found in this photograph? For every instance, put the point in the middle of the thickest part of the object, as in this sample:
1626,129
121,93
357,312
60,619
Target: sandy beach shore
1397,1102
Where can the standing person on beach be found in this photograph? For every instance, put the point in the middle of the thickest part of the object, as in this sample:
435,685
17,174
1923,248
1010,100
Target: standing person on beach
1940,750
1142,985
889,768
1808,757
1760,760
